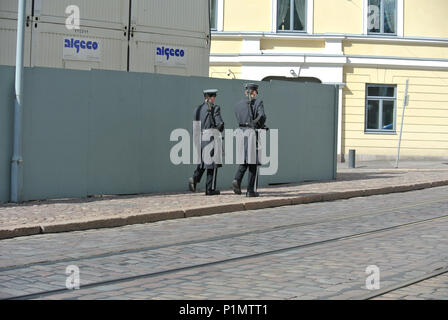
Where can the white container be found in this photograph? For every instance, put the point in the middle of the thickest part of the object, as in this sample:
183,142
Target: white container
120,44
161,53
109,14
53,45
171,16
173,25
8,43
9,8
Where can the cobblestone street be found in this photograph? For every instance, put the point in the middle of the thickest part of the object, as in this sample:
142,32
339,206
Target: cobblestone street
308,251
59,215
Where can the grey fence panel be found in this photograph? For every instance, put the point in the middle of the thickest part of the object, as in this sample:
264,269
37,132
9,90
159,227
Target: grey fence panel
6,129
114,124
108,132
304,117
55,133
169,103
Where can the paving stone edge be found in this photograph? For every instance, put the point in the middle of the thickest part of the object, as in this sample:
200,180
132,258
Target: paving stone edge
252,204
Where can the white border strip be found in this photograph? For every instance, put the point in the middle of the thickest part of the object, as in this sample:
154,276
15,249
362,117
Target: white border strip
413,63
310,17
400,18
274,16
220,24
364,17
292,59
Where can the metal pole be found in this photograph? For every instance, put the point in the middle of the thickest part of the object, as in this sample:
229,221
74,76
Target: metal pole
405,103
16,163
352,159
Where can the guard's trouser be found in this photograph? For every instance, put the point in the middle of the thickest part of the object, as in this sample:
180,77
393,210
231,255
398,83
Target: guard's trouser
210,184
253,183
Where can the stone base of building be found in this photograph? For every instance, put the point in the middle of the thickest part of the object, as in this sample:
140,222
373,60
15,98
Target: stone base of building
369,157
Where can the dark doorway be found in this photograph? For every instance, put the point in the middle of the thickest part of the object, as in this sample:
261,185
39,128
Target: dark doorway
297,79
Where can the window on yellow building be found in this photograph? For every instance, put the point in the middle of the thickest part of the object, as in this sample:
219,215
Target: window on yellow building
213,15
291,15
382,17
380,108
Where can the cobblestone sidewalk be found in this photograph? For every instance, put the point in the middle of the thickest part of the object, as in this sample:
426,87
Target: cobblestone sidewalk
114,211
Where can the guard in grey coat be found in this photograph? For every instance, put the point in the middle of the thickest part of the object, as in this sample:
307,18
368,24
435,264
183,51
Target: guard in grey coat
250,115
209,115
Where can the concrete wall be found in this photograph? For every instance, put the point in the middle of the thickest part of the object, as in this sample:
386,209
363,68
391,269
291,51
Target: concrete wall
108,132
239,15
338,16
421,19
426,118
425,19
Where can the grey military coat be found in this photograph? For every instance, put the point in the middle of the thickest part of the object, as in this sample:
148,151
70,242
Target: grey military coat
250,117
209,120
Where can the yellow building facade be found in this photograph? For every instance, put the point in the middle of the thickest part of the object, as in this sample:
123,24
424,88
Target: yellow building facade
369,48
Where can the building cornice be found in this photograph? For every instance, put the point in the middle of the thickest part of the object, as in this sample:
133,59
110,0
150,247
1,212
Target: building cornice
326,36
406,62
285,59
326,59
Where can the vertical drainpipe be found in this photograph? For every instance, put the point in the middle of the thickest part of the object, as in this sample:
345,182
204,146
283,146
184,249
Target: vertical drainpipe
16,164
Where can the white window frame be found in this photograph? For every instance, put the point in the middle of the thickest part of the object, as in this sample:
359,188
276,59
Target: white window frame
309,29
219,16
399,20
380,111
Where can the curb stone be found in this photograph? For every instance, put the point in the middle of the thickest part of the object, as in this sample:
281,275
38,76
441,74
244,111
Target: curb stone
439,183
19,232
206,211
264,204
210,210
306,199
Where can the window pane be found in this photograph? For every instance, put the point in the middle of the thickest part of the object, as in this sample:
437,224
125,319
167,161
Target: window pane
373,107
381,92
283,15
299,14
374,16
390,16
388,115
213,15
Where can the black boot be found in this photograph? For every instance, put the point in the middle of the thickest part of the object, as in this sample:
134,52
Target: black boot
212,193
252,194
236,186
192,185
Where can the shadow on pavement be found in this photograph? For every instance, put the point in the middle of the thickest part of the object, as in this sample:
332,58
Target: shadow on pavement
268,191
